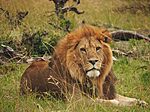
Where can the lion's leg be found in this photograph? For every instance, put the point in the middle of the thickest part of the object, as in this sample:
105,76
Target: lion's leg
25,86
109,90
123,101
113,102
127,101
100,88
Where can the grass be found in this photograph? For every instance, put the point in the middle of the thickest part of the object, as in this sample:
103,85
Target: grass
133,72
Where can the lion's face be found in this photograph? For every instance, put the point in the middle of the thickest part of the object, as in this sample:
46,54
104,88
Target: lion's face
89,57
90,54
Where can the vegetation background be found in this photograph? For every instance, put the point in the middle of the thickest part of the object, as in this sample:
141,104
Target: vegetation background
132,71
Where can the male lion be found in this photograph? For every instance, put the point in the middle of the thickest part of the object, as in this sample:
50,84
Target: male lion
82,62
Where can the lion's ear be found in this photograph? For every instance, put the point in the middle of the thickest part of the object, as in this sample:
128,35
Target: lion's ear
106,36
107,39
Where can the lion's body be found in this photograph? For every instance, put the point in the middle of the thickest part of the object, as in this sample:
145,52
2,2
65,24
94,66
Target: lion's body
82,62
68,66
39,77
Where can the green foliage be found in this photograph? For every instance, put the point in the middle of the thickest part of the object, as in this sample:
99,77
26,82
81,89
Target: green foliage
35,45
64,23
39,45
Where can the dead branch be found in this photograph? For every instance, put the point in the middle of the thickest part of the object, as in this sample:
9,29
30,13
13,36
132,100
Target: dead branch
125,35
7,51
73,9
33,59
119,52
60,8
8,54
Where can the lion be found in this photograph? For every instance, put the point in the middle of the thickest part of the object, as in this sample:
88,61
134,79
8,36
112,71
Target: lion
81,63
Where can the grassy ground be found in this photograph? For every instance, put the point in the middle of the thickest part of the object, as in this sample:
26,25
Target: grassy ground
133,72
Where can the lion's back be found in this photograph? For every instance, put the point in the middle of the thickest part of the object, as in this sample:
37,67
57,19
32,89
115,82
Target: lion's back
33,76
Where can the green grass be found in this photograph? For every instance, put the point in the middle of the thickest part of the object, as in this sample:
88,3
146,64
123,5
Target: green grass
133,72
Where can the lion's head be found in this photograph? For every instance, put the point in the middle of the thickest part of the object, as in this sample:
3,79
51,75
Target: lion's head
86,52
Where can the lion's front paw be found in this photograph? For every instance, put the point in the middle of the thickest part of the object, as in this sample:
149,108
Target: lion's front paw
113,102
142,103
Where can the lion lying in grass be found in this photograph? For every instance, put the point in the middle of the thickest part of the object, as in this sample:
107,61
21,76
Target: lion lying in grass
82,63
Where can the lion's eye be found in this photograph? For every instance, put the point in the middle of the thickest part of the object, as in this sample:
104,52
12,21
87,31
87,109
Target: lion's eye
83,50
98,48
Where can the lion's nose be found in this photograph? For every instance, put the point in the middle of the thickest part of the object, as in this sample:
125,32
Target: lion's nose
93,61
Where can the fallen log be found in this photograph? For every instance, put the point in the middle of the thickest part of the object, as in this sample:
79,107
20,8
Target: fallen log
125,35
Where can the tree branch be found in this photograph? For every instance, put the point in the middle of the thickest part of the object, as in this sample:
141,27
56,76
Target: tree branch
125,35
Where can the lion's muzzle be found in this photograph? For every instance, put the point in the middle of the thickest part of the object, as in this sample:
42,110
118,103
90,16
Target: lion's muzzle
93,73
93,70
